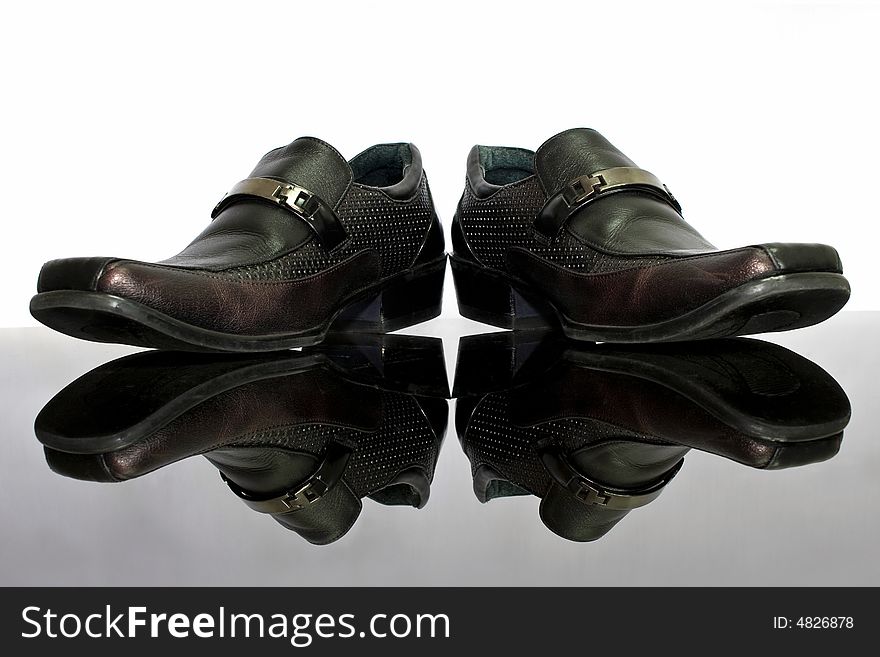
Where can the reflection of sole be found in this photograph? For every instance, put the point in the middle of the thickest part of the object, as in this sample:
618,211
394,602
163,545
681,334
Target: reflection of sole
761,389
159,405
128,399
750,401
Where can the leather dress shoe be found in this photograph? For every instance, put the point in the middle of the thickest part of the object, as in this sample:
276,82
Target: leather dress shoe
596,431
576,234
302,436
308,242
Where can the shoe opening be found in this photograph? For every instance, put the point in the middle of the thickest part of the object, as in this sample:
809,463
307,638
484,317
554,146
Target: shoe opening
503,165
383,165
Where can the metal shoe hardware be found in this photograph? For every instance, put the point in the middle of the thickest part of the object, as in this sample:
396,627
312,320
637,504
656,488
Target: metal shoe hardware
303,200
321,481
306,205
593,493
586,189
311,492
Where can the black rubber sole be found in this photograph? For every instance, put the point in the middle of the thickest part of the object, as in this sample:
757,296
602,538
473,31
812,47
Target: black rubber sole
404,300
776,303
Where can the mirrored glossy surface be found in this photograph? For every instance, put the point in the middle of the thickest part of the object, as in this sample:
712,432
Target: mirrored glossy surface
597,431
733,462
302,436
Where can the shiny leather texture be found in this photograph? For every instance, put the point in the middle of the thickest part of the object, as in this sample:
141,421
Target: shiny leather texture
626,259
632,222
639,295
71,274
265,422
624,417
230,417
253,231
259,270
305,205
804,257
234,305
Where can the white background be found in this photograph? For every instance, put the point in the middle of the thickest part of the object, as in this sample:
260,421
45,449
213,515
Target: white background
121,127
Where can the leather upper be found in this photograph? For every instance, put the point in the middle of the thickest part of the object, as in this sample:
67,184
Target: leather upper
630,222
259,268
625,258
253,231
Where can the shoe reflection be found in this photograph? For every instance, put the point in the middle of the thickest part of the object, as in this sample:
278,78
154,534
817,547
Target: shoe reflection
598,430
300,435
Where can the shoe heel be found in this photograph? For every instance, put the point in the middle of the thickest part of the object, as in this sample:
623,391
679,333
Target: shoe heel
413,299
488,298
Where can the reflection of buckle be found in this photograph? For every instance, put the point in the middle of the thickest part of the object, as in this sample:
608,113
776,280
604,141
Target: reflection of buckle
319,483
306,205
593,493
589,494
311,492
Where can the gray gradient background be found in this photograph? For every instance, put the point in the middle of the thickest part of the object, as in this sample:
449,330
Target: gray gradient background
718,523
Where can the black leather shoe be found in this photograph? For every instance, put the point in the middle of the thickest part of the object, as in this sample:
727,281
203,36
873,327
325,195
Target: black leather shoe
577,234
307,242
302,436
596,431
